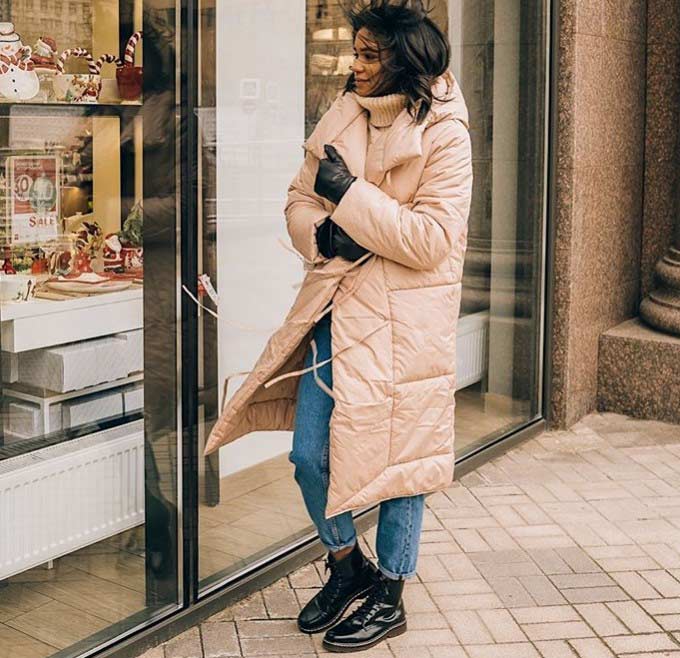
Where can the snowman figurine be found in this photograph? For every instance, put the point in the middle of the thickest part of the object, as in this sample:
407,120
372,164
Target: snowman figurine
18,79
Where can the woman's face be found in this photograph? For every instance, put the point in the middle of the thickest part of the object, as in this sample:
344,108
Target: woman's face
367,66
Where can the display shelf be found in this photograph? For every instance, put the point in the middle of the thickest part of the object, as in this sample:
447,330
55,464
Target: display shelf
7,103
344,46
39,395
86,109
45,399
37,306
44,323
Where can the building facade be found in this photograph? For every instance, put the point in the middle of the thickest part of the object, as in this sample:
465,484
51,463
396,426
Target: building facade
144,265
615,213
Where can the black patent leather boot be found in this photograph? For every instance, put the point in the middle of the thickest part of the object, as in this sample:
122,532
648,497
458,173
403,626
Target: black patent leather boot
351,578
380,616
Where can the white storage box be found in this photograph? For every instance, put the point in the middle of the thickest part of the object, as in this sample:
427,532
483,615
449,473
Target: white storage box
10,367
133,346
133,398
74,366
25,420
92,408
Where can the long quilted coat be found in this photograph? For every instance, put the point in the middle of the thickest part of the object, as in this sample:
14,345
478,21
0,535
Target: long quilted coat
394,313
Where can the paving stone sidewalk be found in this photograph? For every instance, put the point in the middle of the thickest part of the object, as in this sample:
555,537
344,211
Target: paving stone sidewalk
566,546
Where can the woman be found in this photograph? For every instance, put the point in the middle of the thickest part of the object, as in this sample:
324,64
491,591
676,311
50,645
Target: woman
378,210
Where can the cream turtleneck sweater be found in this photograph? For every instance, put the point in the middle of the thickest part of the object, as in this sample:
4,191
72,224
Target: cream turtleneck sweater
382,110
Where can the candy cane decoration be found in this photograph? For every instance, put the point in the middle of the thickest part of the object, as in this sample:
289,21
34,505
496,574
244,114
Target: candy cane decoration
77,52
107,58
129,56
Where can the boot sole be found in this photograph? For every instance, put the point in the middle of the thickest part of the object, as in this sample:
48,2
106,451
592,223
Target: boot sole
349,648
332,622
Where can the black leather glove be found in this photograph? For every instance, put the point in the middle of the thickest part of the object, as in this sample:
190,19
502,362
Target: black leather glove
324,238
333,178
345,247
333,241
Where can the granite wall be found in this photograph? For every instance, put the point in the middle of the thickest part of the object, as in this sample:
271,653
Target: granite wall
599,190
663,126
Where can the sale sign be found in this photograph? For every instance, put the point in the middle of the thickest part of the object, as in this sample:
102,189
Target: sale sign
34,195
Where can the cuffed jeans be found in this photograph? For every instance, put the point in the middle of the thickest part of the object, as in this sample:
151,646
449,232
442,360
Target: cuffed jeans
400,519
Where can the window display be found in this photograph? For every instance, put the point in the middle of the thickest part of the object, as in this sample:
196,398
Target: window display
71,212
82,491
38,73
69,240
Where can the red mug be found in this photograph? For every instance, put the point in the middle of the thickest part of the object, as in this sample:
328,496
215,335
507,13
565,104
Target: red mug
129,80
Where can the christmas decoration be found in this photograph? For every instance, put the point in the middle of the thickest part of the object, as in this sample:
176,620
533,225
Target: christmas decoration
77,87
128,75
18,79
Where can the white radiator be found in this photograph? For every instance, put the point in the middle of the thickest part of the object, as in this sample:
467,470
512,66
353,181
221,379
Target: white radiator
61,498
472,342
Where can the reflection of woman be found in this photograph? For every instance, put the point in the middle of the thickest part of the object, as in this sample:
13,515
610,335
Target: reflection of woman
159,114
379,211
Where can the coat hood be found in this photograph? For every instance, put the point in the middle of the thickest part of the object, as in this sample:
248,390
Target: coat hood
452,104
404,138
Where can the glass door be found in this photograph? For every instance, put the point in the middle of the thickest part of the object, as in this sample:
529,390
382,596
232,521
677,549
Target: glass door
268,70
251,124
88,318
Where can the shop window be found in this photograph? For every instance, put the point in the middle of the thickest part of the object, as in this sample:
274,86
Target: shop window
88,428
255,115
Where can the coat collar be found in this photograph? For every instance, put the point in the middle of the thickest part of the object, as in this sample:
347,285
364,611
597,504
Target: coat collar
345,126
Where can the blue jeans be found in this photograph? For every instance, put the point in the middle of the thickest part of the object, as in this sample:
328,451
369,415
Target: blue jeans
400,519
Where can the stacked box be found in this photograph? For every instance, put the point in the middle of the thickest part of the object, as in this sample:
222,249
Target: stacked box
133,398
10,367
133,347
74,366
24,420
92,408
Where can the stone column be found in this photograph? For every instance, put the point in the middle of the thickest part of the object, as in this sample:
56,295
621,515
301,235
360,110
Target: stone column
661,308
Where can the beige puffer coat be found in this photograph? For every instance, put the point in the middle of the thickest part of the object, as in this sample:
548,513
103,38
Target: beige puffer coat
394,313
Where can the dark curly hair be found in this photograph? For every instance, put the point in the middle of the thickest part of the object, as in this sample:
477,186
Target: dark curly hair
417,50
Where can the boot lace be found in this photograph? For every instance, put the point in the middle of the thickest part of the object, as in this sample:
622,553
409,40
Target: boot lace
372,602
331,590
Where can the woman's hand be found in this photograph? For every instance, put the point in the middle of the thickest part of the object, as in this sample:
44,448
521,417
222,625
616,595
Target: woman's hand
333,241
346,247
333,178
324,238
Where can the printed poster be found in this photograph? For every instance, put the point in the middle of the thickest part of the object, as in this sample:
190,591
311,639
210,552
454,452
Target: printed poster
34,197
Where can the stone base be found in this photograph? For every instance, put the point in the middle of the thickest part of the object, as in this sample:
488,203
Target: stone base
639,372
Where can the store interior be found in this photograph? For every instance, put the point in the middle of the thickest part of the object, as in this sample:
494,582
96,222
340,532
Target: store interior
71,321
